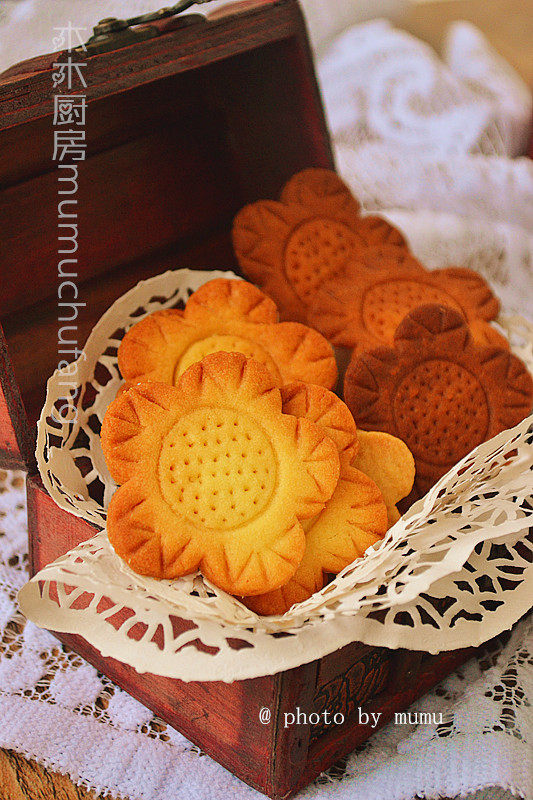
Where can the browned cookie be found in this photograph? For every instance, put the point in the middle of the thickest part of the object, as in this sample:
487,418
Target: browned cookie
437,390
290,247
363,309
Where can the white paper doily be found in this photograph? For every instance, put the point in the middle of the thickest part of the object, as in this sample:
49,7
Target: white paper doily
412,590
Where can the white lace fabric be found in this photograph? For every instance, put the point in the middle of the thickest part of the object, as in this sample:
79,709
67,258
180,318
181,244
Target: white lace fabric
432,144
381,85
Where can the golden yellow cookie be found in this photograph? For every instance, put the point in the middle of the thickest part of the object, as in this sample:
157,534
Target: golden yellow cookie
214,476
292,246
326,409
390,463
231,316
353,519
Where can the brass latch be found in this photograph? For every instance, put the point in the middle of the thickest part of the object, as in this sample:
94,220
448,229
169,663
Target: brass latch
112,33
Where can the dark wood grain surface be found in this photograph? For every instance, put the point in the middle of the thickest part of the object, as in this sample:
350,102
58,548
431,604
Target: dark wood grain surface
21,779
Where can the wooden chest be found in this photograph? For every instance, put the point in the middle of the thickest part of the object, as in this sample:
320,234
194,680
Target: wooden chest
186,120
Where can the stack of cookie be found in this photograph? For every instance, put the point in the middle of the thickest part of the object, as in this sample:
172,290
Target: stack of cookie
234,456
426,364
232,452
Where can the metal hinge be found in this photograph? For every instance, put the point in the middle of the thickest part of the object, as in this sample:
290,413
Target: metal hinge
112,33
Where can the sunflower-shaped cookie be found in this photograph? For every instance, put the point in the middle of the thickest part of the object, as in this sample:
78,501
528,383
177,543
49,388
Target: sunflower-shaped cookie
390,464
354,518
382,457
364,309
290,247
214,476
326,409
437,390
225,315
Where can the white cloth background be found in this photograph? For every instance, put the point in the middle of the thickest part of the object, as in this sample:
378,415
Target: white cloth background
412,135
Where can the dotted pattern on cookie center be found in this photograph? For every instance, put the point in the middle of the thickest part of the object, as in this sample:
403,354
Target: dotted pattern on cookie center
316,252
217,468
386,304
441,411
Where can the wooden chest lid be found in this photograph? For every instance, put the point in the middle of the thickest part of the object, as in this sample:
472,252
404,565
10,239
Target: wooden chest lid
182,129
175,44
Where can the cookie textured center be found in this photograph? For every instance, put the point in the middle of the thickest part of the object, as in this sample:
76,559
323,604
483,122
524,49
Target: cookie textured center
441,412
217,468
317,251
223,343
386,304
